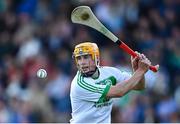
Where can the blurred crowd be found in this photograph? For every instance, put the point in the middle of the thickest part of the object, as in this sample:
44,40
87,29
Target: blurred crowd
38,34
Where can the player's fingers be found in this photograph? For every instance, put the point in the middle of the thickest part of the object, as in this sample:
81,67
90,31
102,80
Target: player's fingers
134,58
146,61
140,56
143,56
149,62
136,52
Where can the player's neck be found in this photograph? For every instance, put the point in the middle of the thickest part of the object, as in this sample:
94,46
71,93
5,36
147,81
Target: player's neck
93,74
96,74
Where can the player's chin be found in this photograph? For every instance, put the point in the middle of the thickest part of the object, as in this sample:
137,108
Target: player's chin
85,70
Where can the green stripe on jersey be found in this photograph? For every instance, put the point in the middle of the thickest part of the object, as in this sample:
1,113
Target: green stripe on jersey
84,87
103,97
113,79
89,87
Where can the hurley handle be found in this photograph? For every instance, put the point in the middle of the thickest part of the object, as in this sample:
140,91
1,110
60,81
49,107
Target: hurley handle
123,46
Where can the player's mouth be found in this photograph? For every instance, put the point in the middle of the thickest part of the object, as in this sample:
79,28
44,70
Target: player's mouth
85,68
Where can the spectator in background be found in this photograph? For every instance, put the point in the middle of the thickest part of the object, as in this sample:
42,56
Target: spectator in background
57,90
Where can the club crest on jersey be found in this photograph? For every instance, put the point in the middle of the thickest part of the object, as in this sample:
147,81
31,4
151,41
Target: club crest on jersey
108,81
104,82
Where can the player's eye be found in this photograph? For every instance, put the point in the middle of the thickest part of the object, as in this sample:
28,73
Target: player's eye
86,56
78,57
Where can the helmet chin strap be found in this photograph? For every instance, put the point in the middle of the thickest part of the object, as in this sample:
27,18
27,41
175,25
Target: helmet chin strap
93,74
96,74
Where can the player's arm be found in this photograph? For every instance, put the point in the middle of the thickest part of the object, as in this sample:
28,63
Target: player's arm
125,86
140,85
134,63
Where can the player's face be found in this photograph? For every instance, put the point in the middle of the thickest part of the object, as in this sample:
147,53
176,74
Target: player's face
85,63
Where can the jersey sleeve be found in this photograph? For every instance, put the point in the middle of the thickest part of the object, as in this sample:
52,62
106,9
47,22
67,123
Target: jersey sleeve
119,75
89,92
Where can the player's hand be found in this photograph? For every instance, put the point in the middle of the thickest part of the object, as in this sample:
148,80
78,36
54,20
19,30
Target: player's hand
143,63
134,61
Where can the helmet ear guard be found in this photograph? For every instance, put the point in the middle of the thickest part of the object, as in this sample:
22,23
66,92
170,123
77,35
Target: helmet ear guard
96,59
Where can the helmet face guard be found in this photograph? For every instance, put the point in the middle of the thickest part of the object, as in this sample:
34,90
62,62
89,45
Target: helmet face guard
87,48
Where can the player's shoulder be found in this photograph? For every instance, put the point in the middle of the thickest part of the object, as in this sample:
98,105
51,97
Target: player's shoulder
74,84
112,70
109,68
75,77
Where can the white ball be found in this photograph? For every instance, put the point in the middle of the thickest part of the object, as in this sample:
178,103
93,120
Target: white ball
41,73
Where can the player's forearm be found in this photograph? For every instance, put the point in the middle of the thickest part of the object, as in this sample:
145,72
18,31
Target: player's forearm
140,85
123,87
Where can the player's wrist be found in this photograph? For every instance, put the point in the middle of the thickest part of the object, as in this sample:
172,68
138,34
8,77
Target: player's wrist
141,71
134,69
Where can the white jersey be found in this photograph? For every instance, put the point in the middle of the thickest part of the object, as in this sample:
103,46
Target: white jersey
88,95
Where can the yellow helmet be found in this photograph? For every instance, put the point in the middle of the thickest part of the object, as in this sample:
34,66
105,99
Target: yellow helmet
87,48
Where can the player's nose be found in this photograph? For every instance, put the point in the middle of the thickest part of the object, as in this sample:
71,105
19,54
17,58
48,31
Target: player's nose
82,61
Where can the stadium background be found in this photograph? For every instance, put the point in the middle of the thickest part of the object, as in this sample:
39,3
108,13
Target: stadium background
39,34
